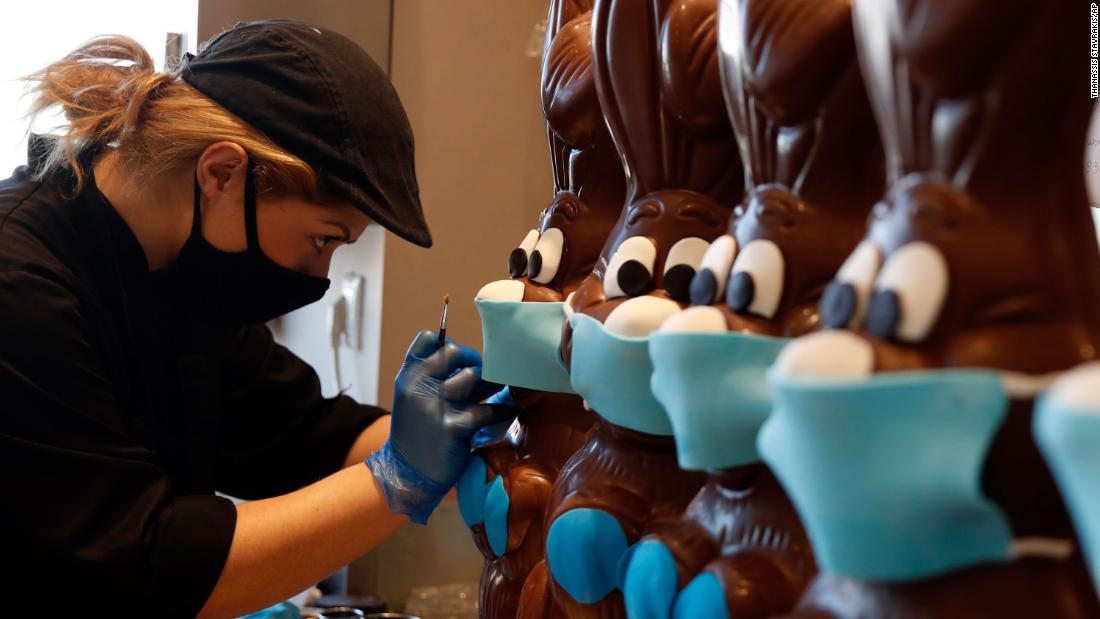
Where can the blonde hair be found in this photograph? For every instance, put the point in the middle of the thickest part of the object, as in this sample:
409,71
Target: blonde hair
112,97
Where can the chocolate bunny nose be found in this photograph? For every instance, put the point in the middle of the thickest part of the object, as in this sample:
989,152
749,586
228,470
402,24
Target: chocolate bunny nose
634,278
704,288
517,263
678,282
838,305
535,264
884,314
740,291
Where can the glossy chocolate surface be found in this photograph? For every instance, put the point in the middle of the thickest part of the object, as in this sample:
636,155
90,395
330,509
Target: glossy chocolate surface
588,194
589,183
813,166
550,428
742,528
983,115
658,84
632,476
813,162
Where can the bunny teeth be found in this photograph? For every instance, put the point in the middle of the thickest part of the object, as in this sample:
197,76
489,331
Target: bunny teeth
1079,388
640,316
699,319
501,290
827,355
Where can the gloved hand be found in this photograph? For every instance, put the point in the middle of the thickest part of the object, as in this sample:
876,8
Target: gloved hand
498,429
437,409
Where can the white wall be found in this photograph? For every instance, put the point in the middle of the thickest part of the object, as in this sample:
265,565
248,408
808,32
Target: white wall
33,34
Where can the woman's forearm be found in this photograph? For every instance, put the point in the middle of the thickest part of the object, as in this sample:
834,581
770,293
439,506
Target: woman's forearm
369,441
283,545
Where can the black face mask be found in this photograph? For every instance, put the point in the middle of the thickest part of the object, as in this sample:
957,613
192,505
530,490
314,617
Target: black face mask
238,288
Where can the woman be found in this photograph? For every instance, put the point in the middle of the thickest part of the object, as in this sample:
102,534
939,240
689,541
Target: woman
137,376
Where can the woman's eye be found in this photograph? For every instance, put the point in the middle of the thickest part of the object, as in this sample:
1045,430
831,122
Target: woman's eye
709,284
630,272
518,259
546,258
909,293
320,242
683,261
844,302
756,283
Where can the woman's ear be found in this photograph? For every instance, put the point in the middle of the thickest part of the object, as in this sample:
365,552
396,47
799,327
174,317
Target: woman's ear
222,169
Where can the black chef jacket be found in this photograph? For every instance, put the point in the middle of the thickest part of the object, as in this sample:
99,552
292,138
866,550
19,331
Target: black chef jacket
120,415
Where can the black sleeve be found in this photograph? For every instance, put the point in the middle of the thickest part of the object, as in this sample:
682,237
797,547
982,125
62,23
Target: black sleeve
277,432
89,517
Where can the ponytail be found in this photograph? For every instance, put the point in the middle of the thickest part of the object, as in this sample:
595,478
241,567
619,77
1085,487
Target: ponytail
111,97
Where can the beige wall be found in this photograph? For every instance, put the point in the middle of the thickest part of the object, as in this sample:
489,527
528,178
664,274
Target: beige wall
471,93
367,22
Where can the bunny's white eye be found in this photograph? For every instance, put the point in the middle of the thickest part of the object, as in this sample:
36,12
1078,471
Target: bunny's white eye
709,284
680,267
547,256
844,303
630,272
518,259
756,283
909,293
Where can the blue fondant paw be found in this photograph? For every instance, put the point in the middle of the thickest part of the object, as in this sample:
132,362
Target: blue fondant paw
703,597
583,549
496,516
651,581
472,490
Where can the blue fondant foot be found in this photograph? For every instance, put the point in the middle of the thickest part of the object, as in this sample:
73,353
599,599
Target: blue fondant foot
472,490
651,581
703,597
583,549
496,516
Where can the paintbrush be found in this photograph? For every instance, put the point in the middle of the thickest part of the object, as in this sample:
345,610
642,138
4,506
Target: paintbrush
443,322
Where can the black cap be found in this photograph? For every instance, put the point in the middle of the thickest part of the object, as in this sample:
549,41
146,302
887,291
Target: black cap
319,96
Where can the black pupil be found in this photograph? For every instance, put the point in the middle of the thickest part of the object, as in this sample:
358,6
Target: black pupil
740,291
883,314
838,305
634,278
517,262
704,288
536,264
678,282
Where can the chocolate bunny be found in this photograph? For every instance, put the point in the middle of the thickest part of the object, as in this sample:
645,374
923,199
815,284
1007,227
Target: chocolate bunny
659,89
903,433
813,165
504,491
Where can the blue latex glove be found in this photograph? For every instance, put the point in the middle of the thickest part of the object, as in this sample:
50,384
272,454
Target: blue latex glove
498,429
437,409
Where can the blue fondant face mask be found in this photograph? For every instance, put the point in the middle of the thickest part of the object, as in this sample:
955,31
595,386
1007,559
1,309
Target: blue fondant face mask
612,374
522,342
1070,441
886,472
716,393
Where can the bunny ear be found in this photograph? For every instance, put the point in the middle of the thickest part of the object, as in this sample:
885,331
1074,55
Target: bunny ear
568,90
877,58
568,86
732,63
562,12
783,59
624,49
691,88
